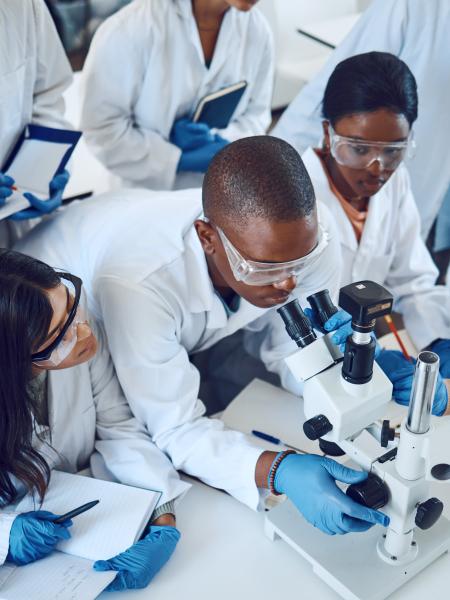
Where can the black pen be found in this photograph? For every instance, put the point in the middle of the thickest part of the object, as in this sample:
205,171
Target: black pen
76,511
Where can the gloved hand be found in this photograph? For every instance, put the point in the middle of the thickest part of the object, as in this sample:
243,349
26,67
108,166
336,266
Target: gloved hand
310,483
442,349
341,324
198,160
39,208
188,135
33,535
139,564
401,374
6,183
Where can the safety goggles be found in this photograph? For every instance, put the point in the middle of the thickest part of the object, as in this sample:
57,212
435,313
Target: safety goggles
360,154
253,272
65,342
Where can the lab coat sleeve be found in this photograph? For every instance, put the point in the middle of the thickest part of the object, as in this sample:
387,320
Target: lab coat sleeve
267,338
162,388
6,521
256,118
124,444
379,28
53,72
425,306
113,74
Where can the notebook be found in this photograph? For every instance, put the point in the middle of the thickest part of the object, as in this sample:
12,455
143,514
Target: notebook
109,528
217,109
105,530
39,154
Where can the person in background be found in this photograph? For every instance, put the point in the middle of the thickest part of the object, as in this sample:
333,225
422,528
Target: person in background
399,27
60,402
148,67
34,72
369,109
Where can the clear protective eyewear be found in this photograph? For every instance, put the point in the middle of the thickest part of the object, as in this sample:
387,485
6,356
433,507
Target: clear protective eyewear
252,272
66,340
360,154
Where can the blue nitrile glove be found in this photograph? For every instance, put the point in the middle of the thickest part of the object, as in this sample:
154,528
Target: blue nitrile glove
310,483
33,535
39,208
188,135
139,564
198,160
6,183
442,349
341,324
400,371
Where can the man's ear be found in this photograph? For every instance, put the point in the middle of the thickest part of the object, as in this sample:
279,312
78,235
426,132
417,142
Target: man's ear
207,236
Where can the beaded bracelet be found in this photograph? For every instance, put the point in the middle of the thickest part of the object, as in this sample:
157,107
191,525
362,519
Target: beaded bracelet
273,470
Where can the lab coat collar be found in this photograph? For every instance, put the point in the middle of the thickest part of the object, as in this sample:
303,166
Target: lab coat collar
379,207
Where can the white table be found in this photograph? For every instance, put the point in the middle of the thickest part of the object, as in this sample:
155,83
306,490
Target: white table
330,32
223,553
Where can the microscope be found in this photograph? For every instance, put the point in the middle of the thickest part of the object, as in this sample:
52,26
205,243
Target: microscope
345,402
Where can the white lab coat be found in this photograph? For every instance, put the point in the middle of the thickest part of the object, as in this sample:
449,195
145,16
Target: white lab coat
417,32
146,69
88,414
156,300
34,72
391,252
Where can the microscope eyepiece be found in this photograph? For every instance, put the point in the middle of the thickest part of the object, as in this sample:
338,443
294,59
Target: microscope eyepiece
322,306
297,324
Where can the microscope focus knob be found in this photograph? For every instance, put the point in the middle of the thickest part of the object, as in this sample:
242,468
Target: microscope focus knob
428,513
372,492
317,427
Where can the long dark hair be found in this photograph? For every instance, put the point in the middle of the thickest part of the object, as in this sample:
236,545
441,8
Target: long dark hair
368,82
25,317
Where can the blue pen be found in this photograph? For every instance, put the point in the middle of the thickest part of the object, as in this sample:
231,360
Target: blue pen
274,440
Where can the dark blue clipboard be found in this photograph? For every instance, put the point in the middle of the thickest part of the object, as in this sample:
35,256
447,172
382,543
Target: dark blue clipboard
45,134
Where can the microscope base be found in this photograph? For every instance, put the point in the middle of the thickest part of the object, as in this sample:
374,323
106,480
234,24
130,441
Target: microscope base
350,564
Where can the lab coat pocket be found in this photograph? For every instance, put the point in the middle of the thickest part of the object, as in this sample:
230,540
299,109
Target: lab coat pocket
12,89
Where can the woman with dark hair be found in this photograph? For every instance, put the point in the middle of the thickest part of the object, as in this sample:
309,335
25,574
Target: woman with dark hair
369,107
57,410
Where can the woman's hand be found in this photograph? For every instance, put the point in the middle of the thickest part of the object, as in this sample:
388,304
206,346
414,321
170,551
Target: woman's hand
33,535
139,564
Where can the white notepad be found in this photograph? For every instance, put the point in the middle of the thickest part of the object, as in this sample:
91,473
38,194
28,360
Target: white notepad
56,577
105,530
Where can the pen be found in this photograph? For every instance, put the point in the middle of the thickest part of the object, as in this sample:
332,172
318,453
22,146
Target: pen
274,440
76,511
393,328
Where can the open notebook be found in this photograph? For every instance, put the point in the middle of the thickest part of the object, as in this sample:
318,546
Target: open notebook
109,528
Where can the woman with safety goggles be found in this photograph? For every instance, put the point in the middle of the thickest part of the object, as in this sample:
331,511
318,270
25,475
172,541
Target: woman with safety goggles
369,107
57,410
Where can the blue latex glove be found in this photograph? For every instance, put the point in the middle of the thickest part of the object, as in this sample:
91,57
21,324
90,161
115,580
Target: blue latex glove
188,135
401,373
33,535
341,324
198,160
39,208
139,564
442,349
310,483
6,183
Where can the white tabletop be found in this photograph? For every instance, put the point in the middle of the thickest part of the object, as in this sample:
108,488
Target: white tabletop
223,553
330,32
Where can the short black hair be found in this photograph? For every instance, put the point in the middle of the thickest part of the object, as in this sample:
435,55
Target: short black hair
367,82
257,177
